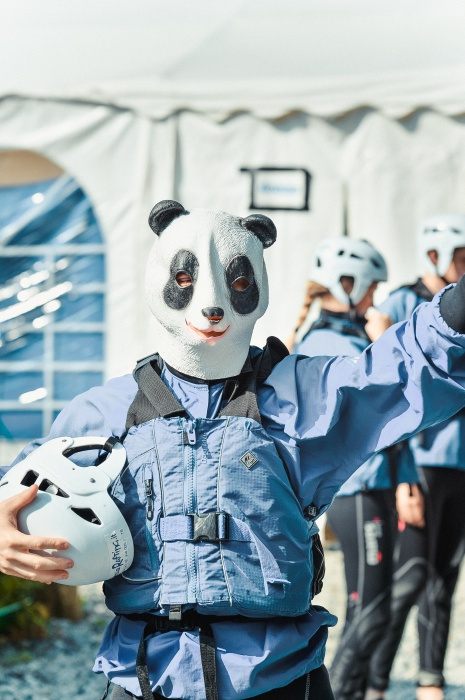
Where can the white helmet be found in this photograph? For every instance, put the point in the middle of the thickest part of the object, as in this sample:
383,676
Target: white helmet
442,233
73,502
345,257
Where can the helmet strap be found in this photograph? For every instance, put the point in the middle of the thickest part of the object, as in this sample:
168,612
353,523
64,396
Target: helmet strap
352,310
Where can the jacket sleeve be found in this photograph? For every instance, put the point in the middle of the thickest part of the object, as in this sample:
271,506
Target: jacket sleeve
101,411
338,411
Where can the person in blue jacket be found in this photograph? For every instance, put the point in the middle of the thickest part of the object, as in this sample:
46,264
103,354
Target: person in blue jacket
233,452
428,558
343,277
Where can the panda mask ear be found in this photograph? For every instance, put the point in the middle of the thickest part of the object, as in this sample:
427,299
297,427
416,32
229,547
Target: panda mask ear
164,213
262,227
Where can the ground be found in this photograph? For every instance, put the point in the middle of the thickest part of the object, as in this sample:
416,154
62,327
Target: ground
59,667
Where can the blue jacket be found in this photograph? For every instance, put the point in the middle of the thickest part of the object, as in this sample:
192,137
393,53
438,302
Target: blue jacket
312,409
342,335
442,445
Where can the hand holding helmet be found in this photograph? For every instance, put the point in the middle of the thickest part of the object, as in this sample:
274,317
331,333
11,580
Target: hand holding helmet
24,555
73,503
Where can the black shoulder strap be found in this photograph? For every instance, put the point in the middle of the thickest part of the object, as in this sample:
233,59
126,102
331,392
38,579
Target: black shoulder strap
326,323
421,290
153,399
240,393
418,288
272,354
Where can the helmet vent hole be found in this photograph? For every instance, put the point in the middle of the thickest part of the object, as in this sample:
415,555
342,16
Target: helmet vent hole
87,514
375,263
50,487
354,255
341,252
318,262
29,478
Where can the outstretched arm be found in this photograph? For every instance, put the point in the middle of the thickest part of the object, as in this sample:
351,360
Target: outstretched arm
335,412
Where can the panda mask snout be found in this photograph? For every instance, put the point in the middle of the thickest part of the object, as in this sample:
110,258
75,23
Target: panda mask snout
214,315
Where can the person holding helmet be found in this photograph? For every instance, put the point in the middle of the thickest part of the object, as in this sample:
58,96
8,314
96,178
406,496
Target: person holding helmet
344,275
233,452
75,504
428,558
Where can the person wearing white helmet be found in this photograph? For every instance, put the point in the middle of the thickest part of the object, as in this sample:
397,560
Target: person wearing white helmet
440,241
428,558
342,257
344,274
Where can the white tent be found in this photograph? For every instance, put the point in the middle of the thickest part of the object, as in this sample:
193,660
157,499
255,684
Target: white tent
148,100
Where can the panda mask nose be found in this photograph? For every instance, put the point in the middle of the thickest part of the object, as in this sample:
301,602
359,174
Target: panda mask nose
213,313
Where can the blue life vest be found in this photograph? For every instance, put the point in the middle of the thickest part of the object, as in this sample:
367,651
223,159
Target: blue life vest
216,525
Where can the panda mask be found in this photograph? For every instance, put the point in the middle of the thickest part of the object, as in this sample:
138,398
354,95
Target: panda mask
206,285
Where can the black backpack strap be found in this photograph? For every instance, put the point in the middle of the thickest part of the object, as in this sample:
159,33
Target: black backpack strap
421,290
418,288
153,399
326,322
240,393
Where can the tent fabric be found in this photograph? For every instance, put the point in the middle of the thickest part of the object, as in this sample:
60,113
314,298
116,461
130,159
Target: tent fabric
384,174
396,95
398,174
266,57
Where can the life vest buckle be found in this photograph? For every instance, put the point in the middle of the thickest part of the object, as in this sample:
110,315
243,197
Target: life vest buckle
209,527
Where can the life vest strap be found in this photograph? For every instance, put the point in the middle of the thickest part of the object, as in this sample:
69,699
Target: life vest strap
189,622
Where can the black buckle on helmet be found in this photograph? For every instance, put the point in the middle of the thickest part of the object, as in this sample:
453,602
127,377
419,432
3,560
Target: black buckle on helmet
210,527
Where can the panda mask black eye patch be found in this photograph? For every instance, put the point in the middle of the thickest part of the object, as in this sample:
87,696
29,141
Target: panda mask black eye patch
243,302
177,297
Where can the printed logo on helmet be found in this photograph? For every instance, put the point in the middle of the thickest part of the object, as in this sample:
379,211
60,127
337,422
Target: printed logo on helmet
117,546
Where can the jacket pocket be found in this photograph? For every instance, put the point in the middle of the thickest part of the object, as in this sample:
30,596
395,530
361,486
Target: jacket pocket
141,510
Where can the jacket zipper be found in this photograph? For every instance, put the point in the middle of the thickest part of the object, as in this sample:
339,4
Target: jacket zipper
191,504
149,498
